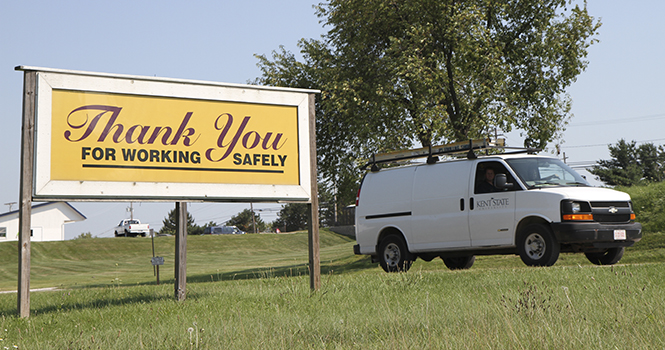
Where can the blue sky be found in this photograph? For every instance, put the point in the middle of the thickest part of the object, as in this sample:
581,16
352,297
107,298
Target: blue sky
619,96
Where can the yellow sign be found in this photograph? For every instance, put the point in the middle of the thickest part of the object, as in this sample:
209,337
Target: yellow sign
119,137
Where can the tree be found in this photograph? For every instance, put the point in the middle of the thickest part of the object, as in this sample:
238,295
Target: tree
395,73
651,159
244,221
631,164
170,224
84,235
292,217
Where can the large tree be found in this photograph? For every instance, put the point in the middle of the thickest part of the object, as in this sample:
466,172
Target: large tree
292,217
170,224
397,73
631,164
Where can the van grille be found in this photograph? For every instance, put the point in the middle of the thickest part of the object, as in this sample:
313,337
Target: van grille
610,218
611,212
610,204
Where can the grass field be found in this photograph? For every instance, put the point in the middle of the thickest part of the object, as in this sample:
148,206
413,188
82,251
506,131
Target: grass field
252,291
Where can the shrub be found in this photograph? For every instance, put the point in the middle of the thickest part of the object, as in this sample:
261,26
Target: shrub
649,205
85,235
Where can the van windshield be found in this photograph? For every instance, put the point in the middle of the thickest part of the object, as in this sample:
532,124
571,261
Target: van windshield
545,172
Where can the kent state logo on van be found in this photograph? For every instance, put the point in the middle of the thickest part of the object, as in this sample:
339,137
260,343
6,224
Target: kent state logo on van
524,204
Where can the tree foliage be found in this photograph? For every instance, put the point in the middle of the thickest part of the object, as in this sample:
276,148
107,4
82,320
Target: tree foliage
396,73
170,224
84,235
292,217
632,164
243,221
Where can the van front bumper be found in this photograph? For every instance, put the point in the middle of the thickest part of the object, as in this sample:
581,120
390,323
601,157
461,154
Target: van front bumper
597,234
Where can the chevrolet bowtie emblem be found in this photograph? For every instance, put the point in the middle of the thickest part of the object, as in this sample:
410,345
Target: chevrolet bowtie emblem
613,210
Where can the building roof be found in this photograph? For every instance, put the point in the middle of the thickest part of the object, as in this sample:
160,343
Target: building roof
44,205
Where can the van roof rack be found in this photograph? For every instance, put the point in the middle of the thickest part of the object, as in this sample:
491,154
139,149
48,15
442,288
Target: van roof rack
432,152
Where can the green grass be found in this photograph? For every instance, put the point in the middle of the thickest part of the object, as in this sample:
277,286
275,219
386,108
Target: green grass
558,307
252,291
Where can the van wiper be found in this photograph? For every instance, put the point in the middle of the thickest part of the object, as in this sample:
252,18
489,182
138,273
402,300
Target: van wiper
540,184
577,183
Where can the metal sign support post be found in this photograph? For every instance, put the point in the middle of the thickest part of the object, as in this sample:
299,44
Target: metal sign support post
181,251
25,207
313,206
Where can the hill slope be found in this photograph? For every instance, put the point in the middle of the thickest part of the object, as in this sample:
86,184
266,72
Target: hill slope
104,261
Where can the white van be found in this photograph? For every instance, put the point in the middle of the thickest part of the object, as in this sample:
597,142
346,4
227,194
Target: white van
536,207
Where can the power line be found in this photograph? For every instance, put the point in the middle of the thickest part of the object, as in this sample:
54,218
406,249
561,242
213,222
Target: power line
619,121
607,144
585,146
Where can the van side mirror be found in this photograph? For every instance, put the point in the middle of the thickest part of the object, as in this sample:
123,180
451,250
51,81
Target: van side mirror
500,182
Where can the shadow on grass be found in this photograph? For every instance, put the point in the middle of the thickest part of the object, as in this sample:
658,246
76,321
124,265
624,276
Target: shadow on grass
149,296
297,270
70,303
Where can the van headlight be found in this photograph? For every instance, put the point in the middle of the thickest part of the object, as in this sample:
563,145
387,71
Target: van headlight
576,211
576,207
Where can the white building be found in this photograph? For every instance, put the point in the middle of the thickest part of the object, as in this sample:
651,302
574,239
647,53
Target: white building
47,222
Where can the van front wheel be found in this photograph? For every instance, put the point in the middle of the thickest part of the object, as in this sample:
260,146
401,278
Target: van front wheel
459,263
537,246
608,257
393,255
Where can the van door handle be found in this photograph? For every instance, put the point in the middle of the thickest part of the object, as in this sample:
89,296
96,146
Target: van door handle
471,203
461,204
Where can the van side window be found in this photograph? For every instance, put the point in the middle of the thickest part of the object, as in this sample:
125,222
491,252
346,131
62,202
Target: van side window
485,174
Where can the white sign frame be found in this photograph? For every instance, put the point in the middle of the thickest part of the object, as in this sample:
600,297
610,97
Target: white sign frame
46,189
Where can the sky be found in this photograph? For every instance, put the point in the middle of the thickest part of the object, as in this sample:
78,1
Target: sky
619,96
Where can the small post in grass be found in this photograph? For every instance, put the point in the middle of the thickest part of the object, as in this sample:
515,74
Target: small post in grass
156,261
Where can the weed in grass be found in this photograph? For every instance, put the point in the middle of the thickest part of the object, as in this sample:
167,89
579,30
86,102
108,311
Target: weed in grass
533,299
195,341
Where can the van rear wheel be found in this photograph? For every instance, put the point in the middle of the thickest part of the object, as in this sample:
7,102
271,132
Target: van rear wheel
459,263
393,255
608,257
537,246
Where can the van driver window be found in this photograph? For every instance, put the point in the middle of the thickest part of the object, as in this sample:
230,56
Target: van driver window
485,183
485,174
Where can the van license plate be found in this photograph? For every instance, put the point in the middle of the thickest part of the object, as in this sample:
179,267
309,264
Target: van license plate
619,234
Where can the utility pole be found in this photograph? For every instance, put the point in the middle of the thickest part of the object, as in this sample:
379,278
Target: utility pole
10,204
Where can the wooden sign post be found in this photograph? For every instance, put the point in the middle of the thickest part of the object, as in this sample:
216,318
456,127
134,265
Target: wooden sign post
25,207
313,207
181,251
